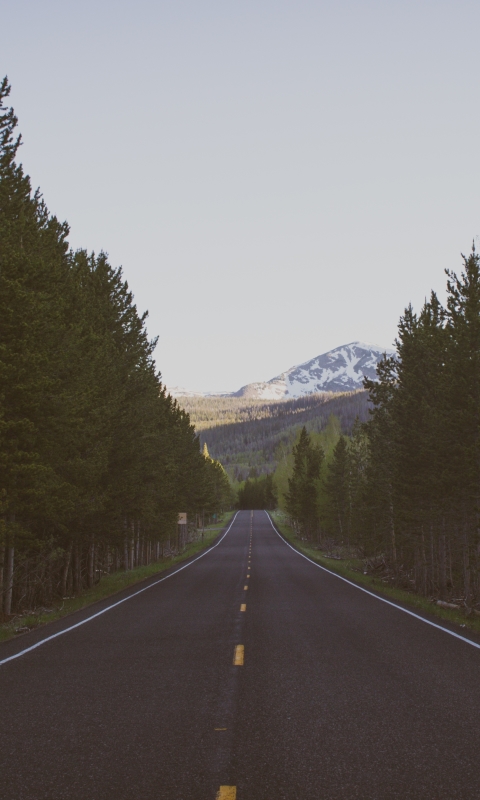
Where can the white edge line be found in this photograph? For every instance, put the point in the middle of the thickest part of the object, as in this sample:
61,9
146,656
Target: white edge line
118,603
372,594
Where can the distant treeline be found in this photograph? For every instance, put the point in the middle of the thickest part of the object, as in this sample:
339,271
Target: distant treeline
248,435
96,460
258,493
212,412
405,488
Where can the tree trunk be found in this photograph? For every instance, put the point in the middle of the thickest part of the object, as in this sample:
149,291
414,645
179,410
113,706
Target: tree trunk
91,563
432,562
442,577
125,545
9,580
132,547
2,559
138,552
466,567
393,539
76,570
450,567
424,564
66,567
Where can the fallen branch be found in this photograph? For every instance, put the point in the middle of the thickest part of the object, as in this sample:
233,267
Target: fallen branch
444,604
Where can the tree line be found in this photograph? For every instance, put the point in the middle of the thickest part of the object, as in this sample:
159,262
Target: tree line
404,488
252,434
258,493
96,459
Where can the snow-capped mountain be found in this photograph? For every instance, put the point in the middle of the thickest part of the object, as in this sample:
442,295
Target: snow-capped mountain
339,370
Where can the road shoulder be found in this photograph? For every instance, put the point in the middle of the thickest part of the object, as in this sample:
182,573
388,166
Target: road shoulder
21,625
457,621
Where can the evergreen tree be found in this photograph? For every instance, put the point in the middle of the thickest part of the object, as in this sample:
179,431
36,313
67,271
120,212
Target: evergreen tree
258,493
463,398
337,487
96,459
301,499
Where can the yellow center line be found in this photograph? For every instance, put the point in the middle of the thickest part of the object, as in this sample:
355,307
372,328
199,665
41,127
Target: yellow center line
219,729
227,793
245,588
239,655
243,607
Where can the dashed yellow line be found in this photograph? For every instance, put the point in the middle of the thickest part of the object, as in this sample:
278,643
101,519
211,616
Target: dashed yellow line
239,655
245,587
227,793
243,607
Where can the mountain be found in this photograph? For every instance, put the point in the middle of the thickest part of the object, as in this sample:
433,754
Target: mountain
339,370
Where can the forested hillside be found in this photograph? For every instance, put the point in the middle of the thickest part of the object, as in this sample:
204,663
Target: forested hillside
96,460
404,489
249,437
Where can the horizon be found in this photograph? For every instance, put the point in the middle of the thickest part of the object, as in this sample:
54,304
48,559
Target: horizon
222,393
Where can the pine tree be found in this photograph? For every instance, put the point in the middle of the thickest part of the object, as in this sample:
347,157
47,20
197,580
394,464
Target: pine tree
337,487
301,499
96,459
463,380
381,467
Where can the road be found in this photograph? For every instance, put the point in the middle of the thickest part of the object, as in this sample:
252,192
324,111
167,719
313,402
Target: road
300,686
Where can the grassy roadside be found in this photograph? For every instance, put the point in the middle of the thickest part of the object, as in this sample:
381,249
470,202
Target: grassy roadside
350,568
109,585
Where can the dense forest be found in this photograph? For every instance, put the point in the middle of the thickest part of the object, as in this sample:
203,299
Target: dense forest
404,488
96,459
250,437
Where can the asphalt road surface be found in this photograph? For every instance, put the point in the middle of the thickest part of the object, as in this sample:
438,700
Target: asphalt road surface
300,686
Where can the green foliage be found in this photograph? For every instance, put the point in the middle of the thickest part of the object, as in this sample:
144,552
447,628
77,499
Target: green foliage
258,493
245,434
404,489
96,459
217,493
337,488
302,496
326,439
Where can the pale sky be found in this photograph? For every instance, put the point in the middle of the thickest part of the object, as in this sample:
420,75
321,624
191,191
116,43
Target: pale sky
276,178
